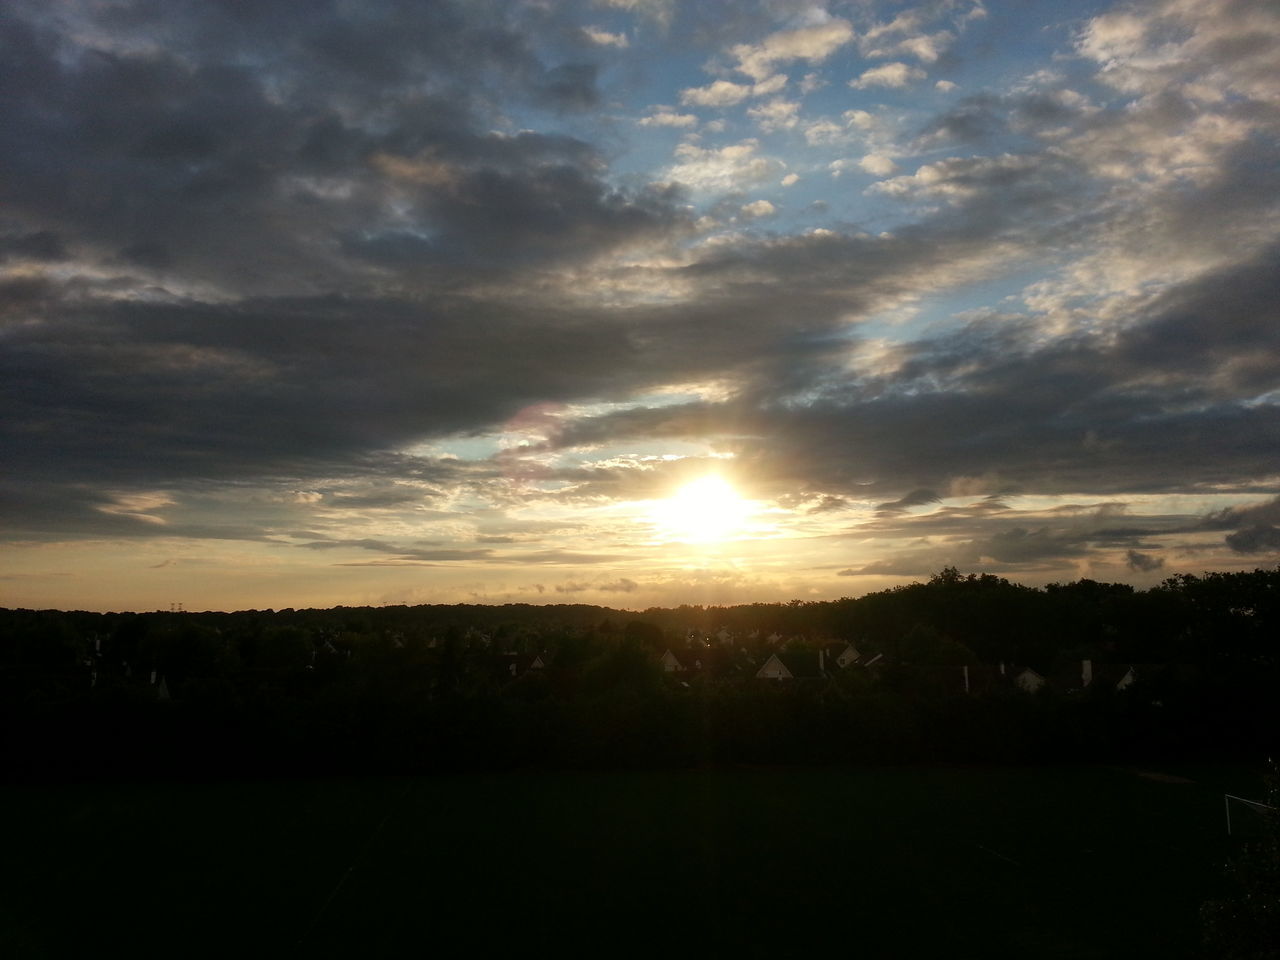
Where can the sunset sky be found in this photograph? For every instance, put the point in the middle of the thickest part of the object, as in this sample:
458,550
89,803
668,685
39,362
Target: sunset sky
632,302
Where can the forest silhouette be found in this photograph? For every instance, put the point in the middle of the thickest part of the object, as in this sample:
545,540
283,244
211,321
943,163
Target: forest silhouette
411,689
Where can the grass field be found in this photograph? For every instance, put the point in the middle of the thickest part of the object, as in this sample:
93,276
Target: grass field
1070,862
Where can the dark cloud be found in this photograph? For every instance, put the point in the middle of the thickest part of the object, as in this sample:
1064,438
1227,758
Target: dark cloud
376,499
1019,545
37,511
43,245
570,86
978,536
1265,513
916,498
897,567
288,387
1256,527
1259,538
971,120
25,298
1104,414
986,116
621,585
188,158
401,553
537,215
828,504
1143,562
305,386
1224,324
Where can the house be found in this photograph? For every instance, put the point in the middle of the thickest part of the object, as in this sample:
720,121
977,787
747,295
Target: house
980,678
1093,676
695,661
841,654
1117,676
670,663
1027,679
1108,676
510,665
793,665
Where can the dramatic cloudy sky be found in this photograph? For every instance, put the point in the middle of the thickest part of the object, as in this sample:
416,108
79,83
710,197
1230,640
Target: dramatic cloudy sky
382,302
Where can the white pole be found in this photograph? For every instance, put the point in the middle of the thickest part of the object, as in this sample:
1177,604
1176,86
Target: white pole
1228,797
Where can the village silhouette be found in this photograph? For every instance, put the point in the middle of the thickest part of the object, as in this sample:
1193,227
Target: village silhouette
1001,757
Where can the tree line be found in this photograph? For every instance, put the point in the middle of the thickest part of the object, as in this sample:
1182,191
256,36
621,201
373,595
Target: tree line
417,688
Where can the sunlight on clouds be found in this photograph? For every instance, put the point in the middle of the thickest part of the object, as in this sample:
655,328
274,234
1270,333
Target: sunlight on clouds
604,38
777,114
641,328
721,93
424,170
666,116
895,76
813,44
878,165
641,278
731,167
671,394
758,208
139,506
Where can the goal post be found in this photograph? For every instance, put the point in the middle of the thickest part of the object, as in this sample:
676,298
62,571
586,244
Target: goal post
1250,815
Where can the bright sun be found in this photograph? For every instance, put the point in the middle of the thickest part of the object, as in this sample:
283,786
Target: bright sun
705,510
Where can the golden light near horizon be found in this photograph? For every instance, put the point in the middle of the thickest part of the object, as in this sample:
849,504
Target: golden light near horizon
705,510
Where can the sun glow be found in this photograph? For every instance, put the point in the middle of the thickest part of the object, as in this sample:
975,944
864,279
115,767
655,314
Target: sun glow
706,510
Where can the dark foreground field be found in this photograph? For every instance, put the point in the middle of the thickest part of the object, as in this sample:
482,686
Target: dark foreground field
1072,862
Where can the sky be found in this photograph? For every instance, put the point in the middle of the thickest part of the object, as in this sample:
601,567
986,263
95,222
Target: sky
632,302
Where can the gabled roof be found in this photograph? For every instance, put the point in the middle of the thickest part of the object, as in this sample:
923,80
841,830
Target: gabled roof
794,664
983,677
1101,676
674,660
1067,678
670,662
717,662
1112,675
773,669
1028,678
841,654
517,664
